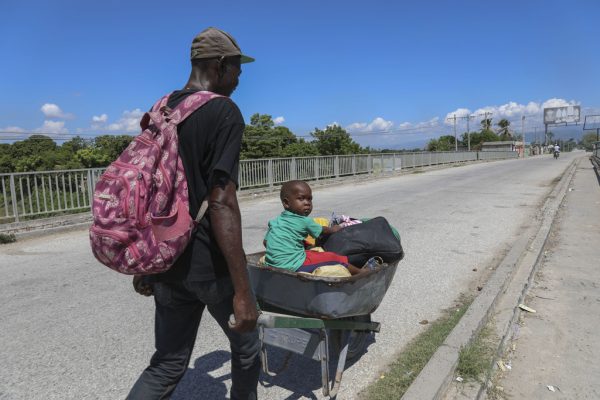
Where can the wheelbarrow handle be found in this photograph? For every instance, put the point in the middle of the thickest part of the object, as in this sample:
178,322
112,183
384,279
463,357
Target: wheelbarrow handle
266,321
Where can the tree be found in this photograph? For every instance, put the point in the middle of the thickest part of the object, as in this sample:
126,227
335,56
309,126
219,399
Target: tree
443,143
301,148
588,140
111,146
262,139
92,157
486,124
334,140
550,136
504,131
477,138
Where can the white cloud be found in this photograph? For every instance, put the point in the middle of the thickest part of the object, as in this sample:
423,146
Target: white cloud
53,111
429,124
100,118
52,127
459,112
279,120
12,129
356,126
378,124
511,111
129,121
98,121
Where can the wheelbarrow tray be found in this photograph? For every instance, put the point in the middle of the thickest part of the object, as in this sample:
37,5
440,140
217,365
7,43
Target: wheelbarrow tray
317,296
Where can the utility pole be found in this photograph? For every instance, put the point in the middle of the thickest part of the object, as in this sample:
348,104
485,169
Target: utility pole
468,118
455,138
523,133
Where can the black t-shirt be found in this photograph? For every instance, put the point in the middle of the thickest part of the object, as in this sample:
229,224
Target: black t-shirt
209,146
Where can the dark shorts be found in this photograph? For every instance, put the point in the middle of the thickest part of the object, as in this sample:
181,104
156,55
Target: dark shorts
315,259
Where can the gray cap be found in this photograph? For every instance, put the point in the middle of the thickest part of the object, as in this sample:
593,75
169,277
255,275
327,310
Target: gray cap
213,42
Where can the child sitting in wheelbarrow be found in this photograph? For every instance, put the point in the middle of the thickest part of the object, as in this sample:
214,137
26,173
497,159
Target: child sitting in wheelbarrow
286,233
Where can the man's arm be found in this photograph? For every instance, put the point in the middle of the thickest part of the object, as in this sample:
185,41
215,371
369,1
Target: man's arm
226,223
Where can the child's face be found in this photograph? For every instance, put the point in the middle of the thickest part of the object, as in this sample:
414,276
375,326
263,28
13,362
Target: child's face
299,201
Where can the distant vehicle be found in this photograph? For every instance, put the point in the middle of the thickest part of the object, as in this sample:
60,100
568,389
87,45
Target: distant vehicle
556,153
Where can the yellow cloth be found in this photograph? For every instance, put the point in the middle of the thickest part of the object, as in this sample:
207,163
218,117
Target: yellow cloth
337,270
321,221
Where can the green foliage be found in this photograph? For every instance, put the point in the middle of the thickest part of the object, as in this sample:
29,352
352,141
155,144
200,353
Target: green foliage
7,238
112,146
477,138
262,139
393,383
504,132
486,124
334,140
92,157
41,153
587,141
443,143
301,148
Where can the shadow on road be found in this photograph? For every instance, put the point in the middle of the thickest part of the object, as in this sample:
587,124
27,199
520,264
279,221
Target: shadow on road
301,376
197,381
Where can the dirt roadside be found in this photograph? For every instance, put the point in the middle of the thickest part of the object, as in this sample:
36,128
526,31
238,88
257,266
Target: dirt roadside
554,352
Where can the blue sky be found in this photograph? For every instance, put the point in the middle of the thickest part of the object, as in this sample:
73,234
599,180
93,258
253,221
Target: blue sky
389,72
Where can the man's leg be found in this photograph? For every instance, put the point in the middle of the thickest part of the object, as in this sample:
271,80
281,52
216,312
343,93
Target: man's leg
245,348
176,324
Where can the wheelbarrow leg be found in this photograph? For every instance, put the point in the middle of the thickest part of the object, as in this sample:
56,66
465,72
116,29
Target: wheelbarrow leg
324,353
345,340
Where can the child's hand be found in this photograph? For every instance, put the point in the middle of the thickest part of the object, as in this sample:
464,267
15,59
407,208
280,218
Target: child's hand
336,228
331,229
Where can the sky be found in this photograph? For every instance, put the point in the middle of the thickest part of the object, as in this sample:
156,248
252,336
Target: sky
390,72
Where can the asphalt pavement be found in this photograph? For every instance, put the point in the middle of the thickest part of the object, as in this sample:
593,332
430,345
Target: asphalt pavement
72,329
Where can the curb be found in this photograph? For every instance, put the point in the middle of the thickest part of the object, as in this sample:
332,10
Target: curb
436,376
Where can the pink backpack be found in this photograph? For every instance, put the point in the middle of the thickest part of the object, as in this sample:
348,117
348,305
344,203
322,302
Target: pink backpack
141,212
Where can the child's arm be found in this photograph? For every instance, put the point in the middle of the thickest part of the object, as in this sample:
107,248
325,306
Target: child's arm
329,230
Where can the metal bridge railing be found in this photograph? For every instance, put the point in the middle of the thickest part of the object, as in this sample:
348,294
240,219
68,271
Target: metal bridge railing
30,195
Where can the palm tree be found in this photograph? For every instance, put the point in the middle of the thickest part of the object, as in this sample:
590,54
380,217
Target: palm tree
486,124
504,131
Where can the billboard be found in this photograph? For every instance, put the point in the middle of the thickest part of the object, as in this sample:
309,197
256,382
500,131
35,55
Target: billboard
562,115
591,122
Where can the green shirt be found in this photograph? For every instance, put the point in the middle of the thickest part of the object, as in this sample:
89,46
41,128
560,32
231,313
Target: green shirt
285,248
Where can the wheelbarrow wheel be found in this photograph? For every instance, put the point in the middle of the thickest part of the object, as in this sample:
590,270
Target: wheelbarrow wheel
358,339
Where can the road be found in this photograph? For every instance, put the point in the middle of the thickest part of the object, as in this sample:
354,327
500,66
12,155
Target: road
72,329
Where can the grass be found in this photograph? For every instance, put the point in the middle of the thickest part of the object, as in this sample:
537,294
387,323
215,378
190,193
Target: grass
394,383
474,360
7,238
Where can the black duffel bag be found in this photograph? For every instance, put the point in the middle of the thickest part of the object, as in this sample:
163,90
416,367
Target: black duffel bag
360,242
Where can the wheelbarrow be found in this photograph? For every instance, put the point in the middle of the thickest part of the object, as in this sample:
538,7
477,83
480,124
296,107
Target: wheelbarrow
322,318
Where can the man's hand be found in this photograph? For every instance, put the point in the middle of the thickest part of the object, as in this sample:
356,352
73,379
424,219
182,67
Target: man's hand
245,312
142,287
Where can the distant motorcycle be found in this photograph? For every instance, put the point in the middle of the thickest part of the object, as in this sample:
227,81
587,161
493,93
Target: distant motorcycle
556,154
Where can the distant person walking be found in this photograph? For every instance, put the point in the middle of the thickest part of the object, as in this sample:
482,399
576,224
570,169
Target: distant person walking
211,273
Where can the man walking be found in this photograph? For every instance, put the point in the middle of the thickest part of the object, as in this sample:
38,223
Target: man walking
211,273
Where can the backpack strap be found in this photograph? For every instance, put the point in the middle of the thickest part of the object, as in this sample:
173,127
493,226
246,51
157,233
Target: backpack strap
190,104
155,115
